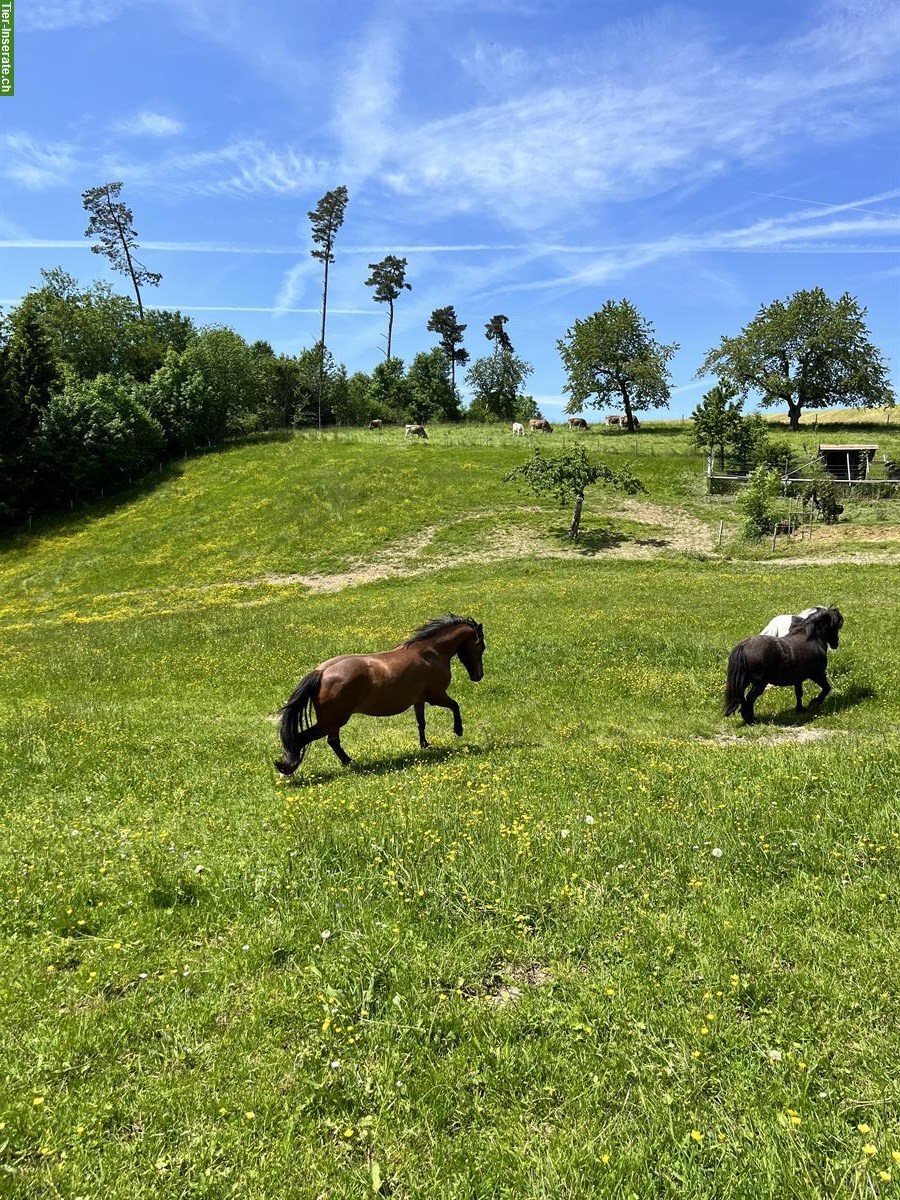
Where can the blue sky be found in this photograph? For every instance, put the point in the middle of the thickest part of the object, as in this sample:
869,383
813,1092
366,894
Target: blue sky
530,157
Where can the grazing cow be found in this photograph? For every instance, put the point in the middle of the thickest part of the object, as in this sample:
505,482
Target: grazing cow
539,425
622,421
374,424
416,431
615,419
518,429
578,423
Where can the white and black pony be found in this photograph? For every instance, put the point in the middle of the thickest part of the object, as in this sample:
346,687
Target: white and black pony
785,661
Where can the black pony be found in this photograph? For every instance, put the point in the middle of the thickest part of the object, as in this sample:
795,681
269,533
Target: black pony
782,661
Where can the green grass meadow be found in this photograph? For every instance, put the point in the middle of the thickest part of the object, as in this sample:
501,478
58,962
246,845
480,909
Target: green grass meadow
608,944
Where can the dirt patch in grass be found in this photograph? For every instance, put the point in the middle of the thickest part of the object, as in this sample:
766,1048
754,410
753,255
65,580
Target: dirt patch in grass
506,984
681,533
799,736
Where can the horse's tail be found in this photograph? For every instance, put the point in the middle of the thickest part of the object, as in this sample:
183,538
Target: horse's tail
295,718
738,678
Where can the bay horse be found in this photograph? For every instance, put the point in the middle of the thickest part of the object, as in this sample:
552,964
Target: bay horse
782,661
413,674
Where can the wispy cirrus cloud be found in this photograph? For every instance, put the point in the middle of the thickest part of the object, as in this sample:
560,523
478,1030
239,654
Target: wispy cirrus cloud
239,168
38,165
849,228
365,100
677,113
148,124
46,16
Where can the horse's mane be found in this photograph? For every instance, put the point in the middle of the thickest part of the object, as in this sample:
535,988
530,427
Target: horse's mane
808,625
822,618
439,623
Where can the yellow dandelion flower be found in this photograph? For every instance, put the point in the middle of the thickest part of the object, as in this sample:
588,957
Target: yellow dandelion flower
38,1100
885,1176
604,1158
864,1128
869,1149
249,1115
696,1135
895,1155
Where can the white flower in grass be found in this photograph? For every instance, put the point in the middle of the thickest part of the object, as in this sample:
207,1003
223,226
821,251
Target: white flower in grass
717,852
325,935
774,1055
589,820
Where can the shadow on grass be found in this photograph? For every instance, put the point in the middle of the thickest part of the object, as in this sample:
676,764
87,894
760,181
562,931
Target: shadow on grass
390,764
836,702
828,428
596,541
85,512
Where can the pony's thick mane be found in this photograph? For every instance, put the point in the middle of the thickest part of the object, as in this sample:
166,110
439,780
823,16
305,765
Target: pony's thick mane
439,623
823,619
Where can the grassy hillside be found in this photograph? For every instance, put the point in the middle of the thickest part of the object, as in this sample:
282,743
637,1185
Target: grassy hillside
607,944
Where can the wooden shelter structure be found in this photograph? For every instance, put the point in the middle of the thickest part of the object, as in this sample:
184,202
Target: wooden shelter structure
847,463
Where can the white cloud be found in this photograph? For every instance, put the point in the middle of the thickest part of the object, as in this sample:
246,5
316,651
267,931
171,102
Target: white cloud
242,168
834,230
683,110
293,283
45,16
365,98
337,312
38,166
148,124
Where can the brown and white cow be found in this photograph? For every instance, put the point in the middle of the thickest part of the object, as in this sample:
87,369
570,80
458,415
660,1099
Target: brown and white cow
539,425
578,423
416,431
375,424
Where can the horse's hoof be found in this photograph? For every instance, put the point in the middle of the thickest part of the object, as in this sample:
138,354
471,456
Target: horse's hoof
458,732
801,708
423,745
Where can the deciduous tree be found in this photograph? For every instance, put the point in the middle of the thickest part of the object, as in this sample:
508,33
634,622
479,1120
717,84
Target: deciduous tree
567,473
496,383
717,420
432,395
805,352
613,357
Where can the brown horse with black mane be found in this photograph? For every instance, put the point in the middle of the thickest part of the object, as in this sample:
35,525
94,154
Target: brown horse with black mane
415,673
784,661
